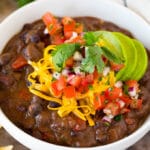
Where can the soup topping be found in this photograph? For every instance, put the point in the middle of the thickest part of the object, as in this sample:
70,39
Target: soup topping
84,72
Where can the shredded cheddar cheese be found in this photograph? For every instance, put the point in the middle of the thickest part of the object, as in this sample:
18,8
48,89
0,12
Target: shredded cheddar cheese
81,105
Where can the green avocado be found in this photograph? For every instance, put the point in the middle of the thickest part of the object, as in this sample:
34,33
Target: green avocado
142,62
111,42
130,54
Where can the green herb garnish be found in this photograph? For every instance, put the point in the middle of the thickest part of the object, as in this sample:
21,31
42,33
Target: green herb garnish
118,117
62,53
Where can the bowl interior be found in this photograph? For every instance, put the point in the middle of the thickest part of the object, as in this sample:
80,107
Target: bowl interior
97,8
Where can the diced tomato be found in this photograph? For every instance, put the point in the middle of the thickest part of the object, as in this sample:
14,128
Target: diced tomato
78,39
54,29
113,93
113,107
99,101
58,85
57,39
19,62
69,24
132,84
116,67
75,81
79,28
96,74
69,62
48,19
90,78
52,25
126,99
69,92
85,82
68,34
136,104
54,89
61,83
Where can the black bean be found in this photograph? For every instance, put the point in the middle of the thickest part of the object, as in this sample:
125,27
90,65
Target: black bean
5,58
53,104
73,133
34,109
6,79
31,52
43,119
36,99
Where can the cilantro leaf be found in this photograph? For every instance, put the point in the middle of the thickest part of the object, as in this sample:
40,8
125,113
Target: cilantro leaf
92,59
110,56
90,38
62,53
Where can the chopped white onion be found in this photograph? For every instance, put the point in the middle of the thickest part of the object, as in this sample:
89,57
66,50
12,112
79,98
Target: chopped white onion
56,75
107,111
136,96
70,77
77,70
107,118
74,35
110,116
121,103
106,71
77,56
132,93
118,84
65,72
46,31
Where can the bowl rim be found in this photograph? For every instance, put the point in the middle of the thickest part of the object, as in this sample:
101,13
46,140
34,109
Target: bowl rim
8,125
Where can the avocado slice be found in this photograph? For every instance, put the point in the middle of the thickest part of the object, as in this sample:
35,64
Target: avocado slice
111,42
142,62
130,55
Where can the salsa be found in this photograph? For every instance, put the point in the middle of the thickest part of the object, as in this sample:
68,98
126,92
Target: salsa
59,82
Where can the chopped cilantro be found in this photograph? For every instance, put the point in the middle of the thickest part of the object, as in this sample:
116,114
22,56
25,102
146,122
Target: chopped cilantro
118,117
62,53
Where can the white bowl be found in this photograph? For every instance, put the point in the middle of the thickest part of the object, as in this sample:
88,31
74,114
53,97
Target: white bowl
99,8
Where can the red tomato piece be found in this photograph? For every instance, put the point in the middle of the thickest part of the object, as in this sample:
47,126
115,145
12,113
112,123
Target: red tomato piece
19,62
61,83
55,29
69,24
99,101
116,67
68,34
69,62
69,92
75,81
57,39
90,78
126,99
79,28
113,107
54,89
113,93
48,19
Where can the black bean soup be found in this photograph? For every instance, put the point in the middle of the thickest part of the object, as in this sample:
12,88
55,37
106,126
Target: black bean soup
30,112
